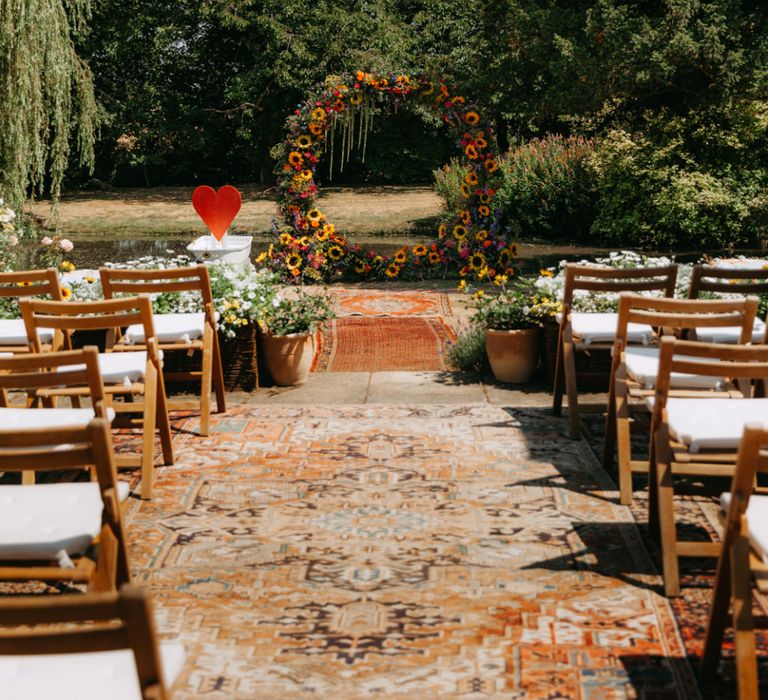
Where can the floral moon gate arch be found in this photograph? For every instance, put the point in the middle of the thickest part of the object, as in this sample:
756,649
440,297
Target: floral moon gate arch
336,119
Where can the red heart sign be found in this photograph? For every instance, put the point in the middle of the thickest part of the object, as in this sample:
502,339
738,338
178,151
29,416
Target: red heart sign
217,209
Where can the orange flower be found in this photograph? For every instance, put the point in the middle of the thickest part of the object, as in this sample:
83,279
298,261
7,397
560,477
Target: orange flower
471,152
484,210
66,293
316,129
471,178
466,216
481,143
295,158
471,117
491,165
303,141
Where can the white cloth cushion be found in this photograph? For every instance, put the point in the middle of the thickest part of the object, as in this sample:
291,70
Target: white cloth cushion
118,367
601,328
642,365
712,424
14,332
730,334
38,522
170,328
12,419
98,675
757,521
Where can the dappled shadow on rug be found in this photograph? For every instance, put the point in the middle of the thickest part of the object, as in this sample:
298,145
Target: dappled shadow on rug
365,344
391,551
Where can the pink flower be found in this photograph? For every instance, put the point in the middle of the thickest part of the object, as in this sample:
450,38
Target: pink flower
13,239
66,245
47,240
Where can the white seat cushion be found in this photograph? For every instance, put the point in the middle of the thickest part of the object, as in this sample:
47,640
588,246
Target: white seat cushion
170,328
601,328
98,675
38,522
12,419
642,365
118,367
757,521
13,332
712,424
730,334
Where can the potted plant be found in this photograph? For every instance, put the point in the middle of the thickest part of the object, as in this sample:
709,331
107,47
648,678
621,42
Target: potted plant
511,319
289,334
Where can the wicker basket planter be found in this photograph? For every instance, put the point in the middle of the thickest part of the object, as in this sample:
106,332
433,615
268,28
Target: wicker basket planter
593,368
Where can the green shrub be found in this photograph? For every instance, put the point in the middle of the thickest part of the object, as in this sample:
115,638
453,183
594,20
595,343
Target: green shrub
547,190
448,182
468,354
692,181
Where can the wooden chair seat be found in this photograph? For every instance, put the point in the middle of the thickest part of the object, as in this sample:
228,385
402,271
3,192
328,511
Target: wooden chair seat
83,647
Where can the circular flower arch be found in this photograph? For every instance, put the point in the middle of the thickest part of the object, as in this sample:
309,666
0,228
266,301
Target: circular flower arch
336,119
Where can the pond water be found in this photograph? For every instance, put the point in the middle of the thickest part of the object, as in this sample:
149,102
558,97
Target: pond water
93,253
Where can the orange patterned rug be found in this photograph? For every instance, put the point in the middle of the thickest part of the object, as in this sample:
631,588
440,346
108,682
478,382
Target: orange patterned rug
383,344
369,302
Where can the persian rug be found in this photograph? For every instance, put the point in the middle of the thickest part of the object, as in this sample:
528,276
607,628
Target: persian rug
401,551
381,344
698,519
370,302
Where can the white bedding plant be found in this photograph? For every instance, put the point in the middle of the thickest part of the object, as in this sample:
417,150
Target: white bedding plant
552,280
241,294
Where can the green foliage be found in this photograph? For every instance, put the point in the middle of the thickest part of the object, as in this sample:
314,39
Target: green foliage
299,312
46,94
547,191
516,306
448,183
697,180
468,354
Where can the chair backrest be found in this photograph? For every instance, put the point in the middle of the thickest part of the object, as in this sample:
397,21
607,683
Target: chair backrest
92,622
731,362
108,314
31,283
73,447
727,280
597,279
669,315
181,279
34,373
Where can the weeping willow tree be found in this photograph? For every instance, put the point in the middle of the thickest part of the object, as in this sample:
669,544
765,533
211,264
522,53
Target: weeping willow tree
47,103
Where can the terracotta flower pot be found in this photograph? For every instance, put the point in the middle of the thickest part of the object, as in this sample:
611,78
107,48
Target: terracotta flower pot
289,357
513,355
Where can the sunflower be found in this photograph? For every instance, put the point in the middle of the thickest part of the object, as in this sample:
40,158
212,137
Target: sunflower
481,143
303,141
66,293
471,152
315,129
471,178
295,158
293,261
318,114
314,215
465,189
458,99
459,232
434,257
392,270
471,117
66,266
491,165
338,105
400,257
306,174
466,217
329,229
356,98
513,249
504,258
305,240
419,250
484,210
485,198
322,234
25,283
477,261
441,231
381,83
481,235
285,239
335,253
427,89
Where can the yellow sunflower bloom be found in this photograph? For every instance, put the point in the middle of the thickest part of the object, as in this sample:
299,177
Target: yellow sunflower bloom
504,258
335,253
285,239
471,117
481,235
293,261
329,229
356,98
465,189
392,270
477,261
434,258
66,293
471,178
315,129
303,141
441,230
295,158
491,165
466,217
314,215
471,152
306,174
484,210
481,143
321,234
459,232
419,250
318,114
400,257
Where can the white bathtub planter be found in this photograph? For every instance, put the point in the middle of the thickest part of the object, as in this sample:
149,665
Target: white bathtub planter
231,249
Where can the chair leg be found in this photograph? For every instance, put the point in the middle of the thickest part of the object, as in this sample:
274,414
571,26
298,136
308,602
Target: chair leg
103,577
666,518
558,380
161,421
148,430
623,438
718,614
569,366
743,623
205,382
218,376
609,441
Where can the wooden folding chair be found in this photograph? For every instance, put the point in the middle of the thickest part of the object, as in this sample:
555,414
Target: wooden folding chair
132,375
23,284
743,561
85,647
62,531
698,435
38,377
634,368
597,331
178,332
713,282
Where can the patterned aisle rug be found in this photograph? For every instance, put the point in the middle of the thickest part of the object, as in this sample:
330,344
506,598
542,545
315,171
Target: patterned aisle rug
369,302
401,552
383,344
